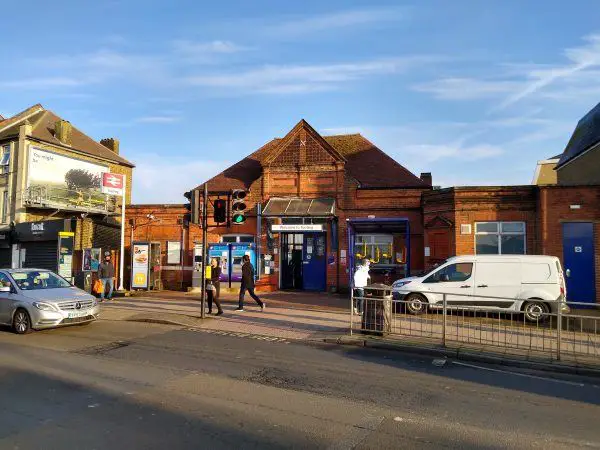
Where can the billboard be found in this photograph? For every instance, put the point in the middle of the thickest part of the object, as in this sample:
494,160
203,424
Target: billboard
139,266
65,180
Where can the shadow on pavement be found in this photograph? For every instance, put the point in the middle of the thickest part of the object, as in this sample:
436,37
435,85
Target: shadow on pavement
39,411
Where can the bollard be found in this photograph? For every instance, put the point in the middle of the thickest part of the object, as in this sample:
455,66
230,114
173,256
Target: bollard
444,317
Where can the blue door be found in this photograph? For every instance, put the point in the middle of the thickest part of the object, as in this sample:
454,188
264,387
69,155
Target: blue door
314,262
578,248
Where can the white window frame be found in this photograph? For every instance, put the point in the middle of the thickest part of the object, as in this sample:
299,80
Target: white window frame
4,214
171,252
501,233
5,167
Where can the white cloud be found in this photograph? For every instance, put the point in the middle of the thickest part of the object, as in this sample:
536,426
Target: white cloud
41,83
157,119
160,179
305,78
305,26
466,88
195,48
430,153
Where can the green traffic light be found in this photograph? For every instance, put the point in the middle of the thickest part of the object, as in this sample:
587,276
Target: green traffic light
239,218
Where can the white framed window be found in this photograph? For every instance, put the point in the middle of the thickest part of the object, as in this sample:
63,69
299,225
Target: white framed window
5,159
173,252
500,238
237,238
4,210
378,248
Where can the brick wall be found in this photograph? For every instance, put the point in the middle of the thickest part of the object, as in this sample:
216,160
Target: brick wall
554,206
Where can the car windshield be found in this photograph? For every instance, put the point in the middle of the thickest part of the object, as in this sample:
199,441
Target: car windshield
33,280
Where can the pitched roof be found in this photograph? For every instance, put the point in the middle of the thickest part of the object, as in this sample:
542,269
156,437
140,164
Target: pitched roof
585,136
366,163
42,128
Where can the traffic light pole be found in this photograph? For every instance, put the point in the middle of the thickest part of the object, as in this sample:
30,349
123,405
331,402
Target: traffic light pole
204,247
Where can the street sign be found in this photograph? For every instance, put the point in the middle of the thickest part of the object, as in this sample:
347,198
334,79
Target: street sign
112,183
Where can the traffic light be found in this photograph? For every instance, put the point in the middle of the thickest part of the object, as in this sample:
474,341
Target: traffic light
193,207
238,206
220,213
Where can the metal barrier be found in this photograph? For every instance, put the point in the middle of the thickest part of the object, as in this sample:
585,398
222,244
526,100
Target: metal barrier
555,333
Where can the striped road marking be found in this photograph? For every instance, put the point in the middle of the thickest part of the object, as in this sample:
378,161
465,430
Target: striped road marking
240,335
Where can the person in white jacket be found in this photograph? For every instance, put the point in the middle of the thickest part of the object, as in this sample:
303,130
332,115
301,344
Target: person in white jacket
361,280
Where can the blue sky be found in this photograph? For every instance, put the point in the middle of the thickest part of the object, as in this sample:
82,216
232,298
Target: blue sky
475,92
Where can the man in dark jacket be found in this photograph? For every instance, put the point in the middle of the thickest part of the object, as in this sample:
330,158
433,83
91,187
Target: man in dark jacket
248,284
106,274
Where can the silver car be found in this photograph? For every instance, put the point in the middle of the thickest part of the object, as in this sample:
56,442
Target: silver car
34,299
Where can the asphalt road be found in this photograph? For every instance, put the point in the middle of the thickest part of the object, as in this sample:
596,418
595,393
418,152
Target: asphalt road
121,385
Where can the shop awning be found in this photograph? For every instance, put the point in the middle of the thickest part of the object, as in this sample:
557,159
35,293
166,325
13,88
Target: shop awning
299,207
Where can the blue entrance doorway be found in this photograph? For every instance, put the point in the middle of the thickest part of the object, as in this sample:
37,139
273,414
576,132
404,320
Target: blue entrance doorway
580,271
303,261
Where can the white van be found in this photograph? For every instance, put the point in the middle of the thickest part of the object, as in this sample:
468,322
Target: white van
534,285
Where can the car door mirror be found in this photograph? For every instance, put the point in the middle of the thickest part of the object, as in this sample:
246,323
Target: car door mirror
445,277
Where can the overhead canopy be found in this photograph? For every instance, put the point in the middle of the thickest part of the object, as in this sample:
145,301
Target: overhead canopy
381,225
299,207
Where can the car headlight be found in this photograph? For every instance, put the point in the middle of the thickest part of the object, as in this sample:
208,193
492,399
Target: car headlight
400,283
44,306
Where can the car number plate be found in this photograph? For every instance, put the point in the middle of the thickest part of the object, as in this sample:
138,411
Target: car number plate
75,314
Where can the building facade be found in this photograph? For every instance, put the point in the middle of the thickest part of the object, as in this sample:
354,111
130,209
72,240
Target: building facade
315,207
52,207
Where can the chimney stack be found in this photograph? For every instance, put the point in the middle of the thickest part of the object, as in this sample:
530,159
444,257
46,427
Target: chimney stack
111,144
62,131
427,178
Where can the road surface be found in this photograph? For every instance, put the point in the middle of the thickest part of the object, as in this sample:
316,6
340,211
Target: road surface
123,385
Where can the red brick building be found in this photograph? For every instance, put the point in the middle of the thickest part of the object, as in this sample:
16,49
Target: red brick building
316,194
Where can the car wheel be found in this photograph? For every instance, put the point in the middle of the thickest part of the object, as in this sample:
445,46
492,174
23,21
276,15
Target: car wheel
536,311
416,304
21,322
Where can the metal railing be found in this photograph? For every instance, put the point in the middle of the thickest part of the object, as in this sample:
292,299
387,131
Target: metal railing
453,322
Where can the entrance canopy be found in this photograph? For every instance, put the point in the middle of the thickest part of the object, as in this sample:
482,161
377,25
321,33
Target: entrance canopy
395,250
299,207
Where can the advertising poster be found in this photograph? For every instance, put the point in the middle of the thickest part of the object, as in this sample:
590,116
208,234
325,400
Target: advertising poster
63,180
91,259
139,266
65,254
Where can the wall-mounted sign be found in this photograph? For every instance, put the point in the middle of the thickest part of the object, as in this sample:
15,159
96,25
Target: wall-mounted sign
139,266
65,254
578,249
297,227
112,183
91,259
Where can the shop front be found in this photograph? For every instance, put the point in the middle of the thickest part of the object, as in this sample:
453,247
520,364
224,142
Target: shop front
46,244
385,242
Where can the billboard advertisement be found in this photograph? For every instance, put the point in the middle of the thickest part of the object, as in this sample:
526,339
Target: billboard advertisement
66,180
139,266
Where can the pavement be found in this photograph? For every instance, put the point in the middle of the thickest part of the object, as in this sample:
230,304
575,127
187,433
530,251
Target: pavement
117,384
315,317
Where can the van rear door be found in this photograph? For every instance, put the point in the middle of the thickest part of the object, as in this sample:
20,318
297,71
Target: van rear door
497,283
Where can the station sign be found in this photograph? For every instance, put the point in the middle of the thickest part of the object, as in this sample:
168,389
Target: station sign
297,227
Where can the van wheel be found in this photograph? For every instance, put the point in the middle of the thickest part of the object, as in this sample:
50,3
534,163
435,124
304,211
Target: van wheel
536,311
416,304
21,322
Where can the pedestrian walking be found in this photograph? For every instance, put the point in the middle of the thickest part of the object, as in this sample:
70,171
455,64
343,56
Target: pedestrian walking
361,279
106,274
213,286
248,285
